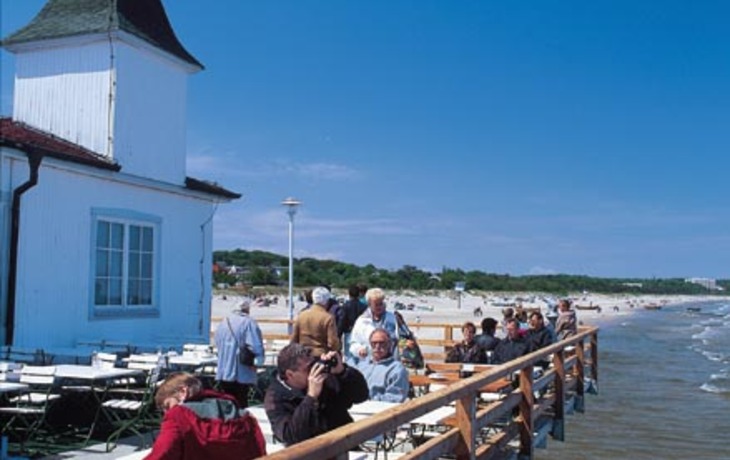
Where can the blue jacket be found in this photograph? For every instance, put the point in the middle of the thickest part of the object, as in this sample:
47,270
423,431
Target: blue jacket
247,332
387,379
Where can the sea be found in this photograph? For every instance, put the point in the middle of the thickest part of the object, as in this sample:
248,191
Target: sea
663,389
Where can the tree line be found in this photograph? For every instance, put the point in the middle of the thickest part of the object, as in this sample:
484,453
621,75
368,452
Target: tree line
260,268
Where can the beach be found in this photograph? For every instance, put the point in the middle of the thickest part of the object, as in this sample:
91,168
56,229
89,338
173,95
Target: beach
664,374
446,307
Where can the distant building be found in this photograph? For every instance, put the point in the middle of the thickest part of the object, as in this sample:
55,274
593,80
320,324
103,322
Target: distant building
636,285
707,283
103,236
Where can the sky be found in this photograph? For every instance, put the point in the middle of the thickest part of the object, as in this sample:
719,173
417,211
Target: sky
531,137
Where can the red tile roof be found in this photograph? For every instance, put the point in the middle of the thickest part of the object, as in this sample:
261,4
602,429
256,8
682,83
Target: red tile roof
27,139
23,137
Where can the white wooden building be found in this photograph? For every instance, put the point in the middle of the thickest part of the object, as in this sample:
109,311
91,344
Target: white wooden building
103,236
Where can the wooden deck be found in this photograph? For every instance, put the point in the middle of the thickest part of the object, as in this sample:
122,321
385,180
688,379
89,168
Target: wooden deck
509,425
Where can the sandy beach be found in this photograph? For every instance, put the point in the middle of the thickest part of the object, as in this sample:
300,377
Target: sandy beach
446,308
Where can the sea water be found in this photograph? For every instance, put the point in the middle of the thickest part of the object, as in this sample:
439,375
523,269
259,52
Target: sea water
664,389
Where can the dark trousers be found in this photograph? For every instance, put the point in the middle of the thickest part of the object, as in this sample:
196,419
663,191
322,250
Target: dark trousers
237,390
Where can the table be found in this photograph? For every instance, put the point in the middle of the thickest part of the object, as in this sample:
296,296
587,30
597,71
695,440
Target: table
191,360
97,382
89,373
12,387
449,378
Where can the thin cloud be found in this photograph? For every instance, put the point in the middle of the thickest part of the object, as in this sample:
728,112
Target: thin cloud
228,166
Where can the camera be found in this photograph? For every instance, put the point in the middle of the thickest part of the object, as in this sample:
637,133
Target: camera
327,364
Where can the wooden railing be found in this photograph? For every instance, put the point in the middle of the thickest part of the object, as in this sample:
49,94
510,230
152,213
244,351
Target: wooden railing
525,413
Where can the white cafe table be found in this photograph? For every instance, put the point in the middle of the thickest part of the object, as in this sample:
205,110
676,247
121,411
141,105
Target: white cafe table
191,360
81,372
12,387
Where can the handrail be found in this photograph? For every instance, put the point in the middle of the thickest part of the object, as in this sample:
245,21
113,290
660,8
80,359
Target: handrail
462,439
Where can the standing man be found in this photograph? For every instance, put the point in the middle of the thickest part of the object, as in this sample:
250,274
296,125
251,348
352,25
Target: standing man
315,328
236,331
387,378
374,317
309,397
354,307
567,324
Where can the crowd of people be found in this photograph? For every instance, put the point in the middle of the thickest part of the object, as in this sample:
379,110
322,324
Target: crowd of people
338,355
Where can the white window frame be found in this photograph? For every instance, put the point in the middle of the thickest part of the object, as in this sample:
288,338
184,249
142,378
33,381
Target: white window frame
127,219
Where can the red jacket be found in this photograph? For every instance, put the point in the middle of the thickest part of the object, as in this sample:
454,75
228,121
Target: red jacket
208,426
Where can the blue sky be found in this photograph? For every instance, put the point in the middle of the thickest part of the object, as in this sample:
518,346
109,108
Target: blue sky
510,137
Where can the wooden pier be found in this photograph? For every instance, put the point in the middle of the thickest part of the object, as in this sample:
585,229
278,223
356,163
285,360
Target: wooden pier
511,425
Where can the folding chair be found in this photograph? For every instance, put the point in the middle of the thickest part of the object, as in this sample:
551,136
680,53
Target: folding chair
132,410
27,413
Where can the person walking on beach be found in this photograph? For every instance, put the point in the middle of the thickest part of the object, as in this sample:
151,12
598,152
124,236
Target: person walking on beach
201,423
567,323
237,331
315,328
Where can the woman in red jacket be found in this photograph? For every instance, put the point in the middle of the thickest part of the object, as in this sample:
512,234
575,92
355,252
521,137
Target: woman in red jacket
202,423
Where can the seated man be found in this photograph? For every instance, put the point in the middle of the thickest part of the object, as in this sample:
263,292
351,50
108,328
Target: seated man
538,335
307,397
486,340
387,378
202,423
513,345
468,351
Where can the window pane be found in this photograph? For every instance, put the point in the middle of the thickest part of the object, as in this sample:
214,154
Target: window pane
134,265
115,291
133,292
101,296
147,266
102,262
116,263
147,239
102,234
145,295
117,236
134,237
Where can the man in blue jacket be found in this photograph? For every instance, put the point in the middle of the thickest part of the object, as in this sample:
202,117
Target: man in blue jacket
387,378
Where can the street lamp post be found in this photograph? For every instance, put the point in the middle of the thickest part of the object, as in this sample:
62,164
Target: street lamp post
291,205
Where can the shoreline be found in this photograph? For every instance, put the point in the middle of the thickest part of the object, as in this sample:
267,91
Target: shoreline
443,307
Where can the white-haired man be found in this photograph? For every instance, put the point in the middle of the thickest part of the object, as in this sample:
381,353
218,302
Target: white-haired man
387,378
374,317
315,327
236,331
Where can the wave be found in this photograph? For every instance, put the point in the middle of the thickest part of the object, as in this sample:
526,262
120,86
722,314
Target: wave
711,388
708,333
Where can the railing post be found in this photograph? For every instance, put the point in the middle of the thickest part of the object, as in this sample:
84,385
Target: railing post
558,431
594,360
526,404
579,373
466,418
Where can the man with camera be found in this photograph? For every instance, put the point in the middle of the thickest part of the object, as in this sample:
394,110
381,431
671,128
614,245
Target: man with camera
310,395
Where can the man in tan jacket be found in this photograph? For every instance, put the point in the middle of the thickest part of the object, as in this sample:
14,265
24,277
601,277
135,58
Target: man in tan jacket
315,327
